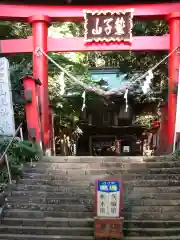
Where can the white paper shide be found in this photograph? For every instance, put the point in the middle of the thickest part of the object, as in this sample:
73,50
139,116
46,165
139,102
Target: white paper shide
7,126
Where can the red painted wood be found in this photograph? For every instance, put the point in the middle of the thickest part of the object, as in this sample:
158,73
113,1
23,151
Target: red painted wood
32,114
174,61
153,43
16,46
40,70
145,43
109,228
74,13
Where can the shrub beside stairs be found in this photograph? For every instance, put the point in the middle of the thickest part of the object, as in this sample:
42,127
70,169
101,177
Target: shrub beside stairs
54,200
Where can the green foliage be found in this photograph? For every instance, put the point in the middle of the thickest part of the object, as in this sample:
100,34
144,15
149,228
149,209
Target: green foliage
176,155
145,120
14,30
19,153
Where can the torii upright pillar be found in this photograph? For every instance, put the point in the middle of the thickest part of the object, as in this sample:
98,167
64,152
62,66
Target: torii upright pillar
174,61
40,25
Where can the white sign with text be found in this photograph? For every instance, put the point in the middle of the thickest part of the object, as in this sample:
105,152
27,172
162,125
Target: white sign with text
108,198
7,125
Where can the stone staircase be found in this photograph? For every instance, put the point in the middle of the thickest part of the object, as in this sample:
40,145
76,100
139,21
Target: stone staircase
55,198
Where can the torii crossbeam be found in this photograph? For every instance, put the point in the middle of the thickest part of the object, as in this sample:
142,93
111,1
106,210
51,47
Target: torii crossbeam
150,43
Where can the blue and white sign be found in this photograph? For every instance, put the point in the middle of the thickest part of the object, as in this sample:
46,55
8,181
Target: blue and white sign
108,198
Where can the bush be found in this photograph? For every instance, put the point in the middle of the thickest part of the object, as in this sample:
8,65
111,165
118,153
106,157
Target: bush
176,155
19,153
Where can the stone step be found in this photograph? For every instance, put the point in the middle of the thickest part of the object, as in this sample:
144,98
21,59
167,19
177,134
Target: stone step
72,209
148,192
130,214
151,183
49,202
102,165
129,224
46,194
86,175
49,222
175,237
50,207
91,189
29,230
151,232
100,171
42,237
85,222
60,188
65,177
55,198
129,192
44,181
124,177
154,202
154,194
132,196
129,195
88,208
164,216
21,213
149,209
84,231
87,159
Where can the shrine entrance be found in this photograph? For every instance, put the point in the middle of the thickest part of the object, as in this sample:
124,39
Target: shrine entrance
101,38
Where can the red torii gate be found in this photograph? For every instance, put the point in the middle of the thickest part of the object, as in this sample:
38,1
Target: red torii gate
41,16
